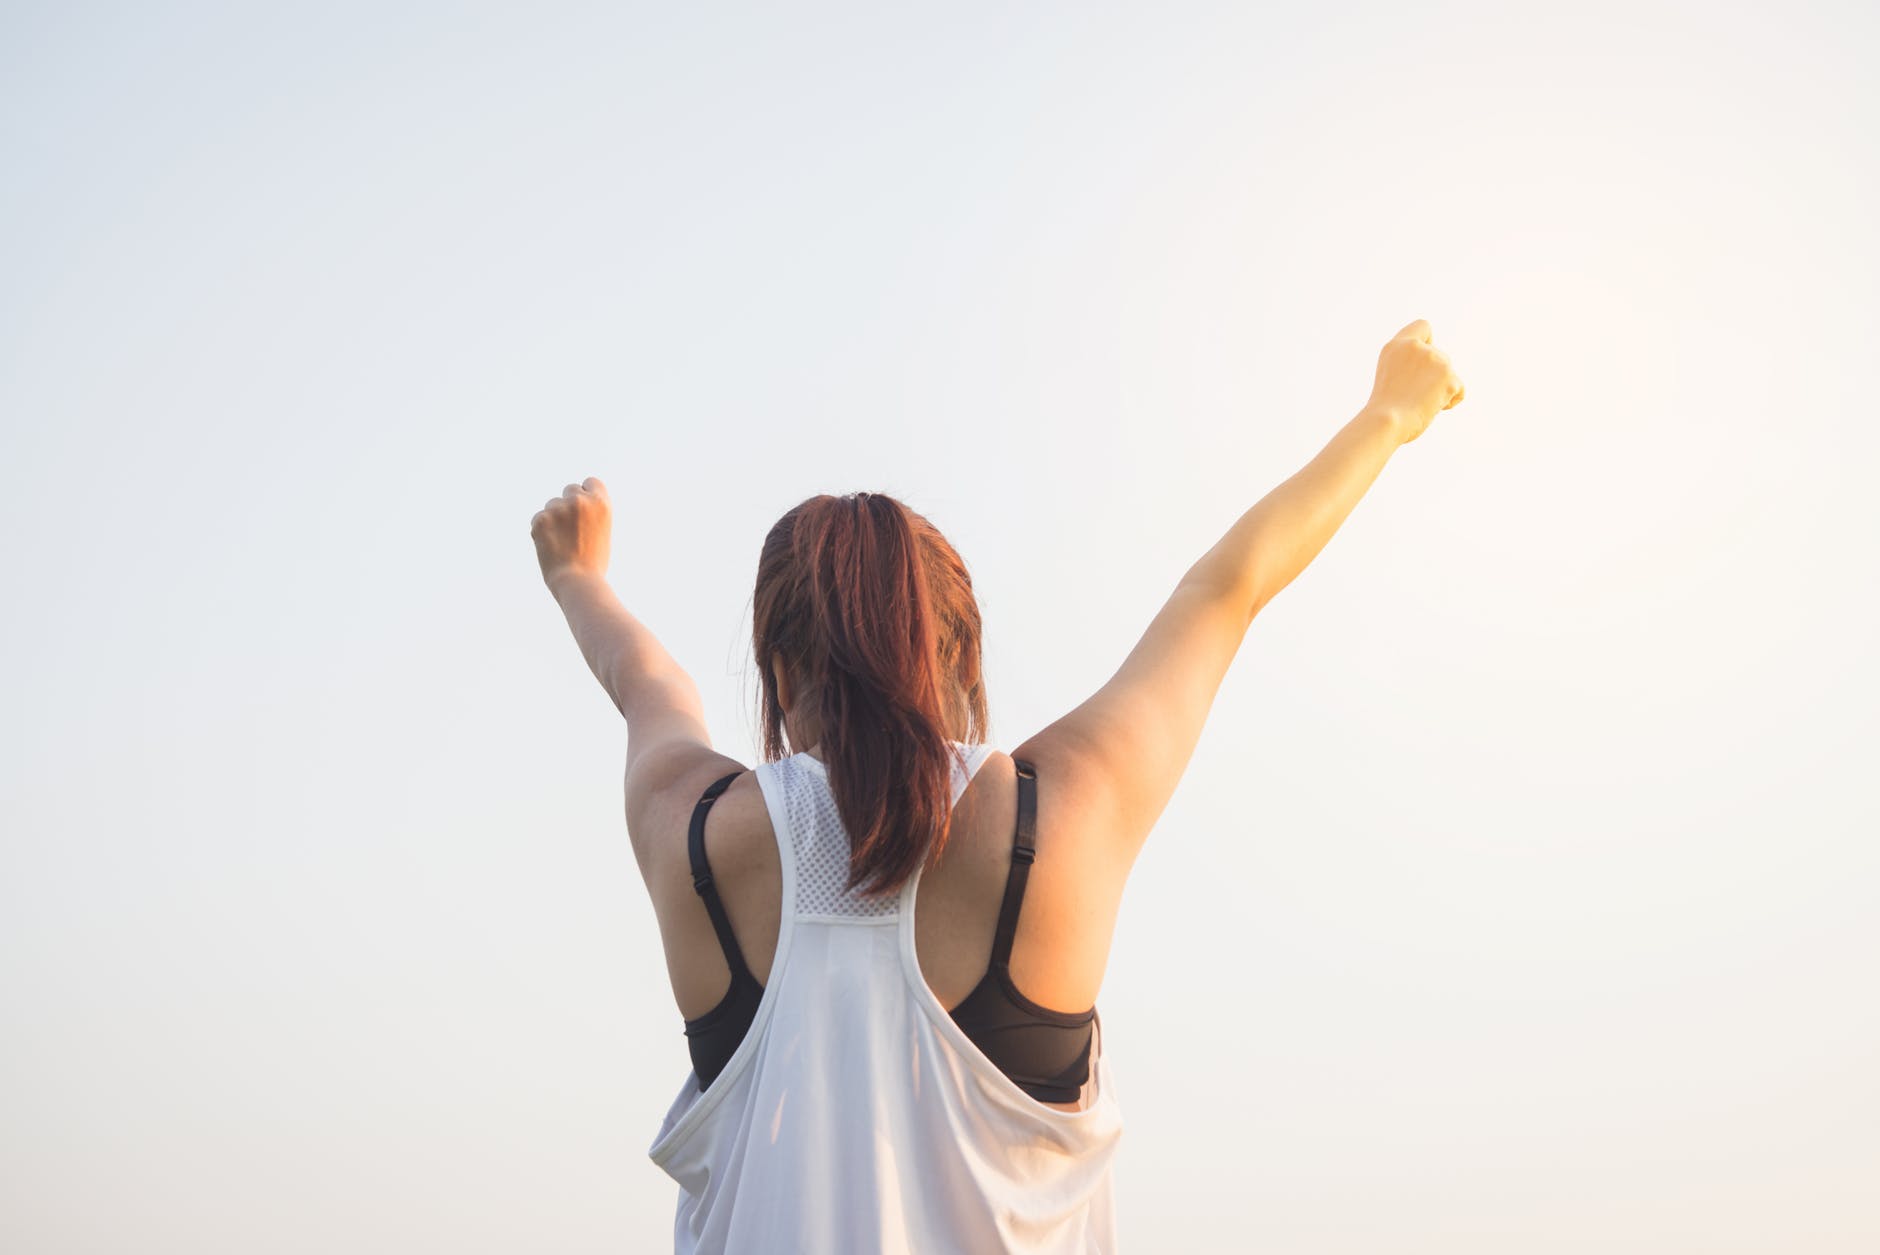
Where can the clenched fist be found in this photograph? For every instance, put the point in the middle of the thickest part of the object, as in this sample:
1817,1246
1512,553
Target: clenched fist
573,531
1414,380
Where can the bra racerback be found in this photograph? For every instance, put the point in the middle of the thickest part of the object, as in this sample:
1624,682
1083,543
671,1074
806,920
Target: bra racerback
1046,1053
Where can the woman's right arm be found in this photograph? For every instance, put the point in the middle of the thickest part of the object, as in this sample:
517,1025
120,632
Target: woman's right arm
1123,751
1278,538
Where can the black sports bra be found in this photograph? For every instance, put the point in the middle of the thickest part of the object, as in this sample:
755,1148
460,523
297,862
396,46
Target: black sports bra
1046,1053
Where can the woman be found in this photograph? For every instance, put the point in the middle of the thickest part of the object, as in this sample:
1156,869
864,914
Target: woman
886,946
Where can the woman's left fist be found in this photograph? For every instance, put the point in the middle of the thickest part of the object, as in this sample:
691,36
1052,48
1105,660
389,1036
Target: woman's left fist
572,531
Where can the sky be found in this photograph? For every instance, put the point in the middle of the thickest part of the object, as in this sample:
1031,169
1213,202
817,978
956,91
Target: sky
1523,891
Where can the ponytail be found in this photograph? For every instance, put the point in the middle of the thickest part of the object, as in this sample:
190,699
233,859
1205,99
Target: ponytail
864,602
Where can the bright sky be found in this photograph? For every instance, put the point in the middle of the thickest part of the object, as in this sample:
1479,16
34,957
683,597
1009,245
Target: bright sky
1523,893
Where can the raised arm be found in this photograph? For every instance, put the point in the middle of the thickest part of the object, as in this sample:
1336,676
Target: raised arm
1124,750
573,539
1278,538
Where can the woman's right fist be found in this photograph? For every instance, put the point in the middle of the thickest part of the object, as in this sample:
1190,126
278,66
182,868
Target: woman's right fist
1414,380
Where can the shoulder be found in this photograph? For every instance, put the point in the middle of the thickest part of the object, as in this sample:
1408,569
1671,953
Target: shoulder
1070,804
664,787
1077,809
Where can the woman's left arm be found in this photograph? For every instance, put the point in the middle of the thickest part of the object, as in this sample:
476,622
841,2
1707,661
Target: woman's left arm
651,690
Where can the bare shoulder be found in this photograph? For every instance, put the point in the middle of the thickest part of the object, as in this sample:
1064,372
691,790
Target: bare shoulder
1076,789
663,788
1078,830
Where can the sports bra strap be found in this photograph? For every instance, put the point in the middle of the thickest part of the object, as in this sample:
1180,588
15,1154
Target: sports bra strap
1023,850
702,877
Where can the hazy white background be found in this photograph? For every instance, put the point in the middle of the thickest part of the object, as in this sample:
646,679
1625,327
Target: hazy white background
1523,894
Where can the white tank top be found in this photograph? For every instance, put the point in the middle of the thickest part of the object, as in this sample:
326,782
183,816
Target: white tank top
856,1116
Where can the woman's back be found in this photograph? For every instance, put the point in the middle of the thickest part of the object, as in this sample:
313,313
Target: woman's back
1064,923
854,1112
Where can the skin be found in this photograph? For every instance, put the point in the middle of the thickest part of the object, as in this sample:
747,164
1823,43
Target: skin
799,718
1104,771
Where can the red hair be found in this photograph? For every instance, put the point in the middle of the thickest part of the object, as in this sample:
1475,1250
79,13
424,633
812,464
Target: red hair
865,606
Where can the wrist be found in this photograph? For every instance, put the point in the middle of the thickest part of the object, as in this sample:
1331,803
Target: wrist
1383,418
562,581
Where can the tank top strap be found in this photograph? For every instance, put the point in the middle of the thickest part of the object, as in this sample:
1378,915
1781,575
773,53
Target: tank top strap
1023,850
